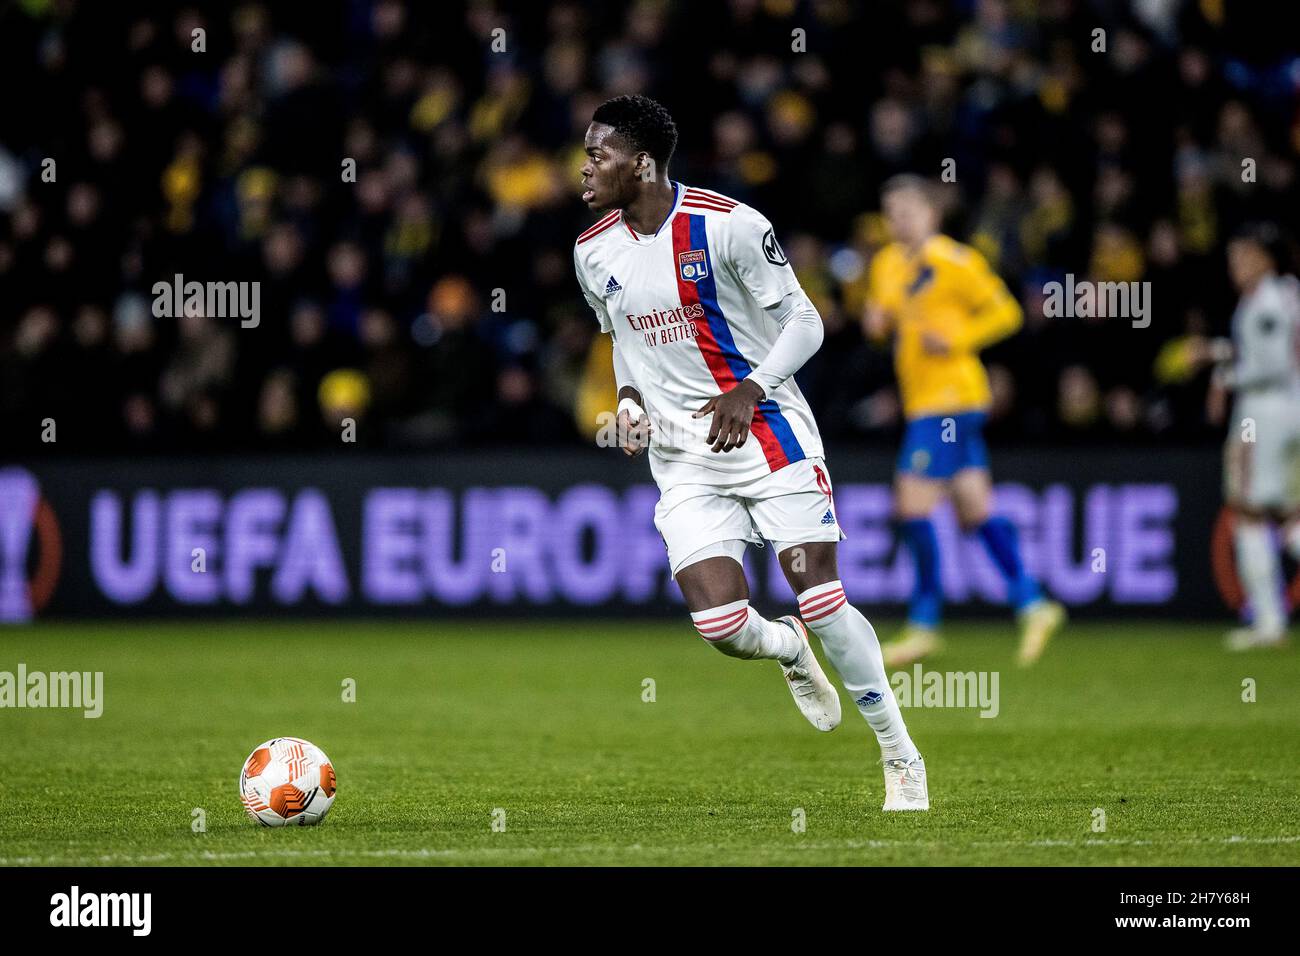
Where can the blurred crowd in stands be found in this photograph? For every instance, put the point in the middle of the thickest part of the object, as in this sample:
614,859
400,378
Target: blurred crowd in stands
433,299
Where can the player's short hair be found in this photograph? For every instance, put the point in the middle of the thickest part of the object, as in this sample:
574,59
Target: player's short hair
1268,237
643,122
911,182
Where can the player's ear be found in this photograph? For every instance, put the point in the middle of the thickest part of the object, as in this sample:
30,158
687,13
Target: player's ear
645,167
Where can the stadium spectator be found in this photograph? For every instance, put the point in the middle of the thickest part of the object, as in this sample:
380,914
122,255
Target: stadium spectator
430,293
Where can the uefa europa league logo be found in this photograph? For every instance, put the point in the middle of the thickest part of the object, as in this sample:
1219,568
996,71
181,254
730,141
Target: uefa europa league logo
19,494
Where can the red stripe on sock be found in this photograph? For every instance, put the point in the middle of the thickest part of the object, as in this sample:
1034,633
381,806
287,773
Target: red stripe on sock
730,622
713,638
828,612
821,600
725,617
724,631
714,631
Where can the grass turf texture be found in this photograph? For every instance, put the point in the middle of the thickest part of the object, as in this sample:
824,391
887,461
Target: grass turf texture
547,722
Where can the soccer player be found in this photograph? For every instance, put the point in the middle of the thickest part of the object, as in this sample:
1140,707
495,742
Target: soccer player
1261,462
709,324
943,304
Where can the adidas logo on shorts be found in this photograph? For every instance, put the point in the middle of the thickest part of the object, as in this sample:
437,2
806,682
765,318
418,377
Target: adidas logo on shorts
828,518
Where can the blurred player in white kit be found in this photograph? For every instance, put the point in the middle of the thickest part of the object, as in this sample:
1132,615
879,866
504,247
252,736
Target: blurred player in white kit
1260,367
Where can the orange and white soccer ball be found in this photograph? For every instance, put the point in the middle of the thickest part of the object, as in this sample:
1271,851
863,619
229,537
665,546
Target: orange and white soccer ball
287,782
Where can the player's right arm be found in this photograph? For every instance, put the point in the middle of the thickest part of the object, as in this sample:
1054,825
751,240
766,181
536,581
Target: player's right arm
634,428
878,317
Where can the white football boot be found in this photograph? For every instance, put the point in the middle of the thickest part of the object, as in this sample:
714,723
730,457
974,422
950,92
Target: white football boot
917,642
812,691
1250,639
1038,624
905,786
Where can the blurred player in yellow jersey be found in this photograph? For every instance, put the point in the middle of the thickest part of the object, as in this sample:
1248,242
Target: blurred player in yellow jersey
942,304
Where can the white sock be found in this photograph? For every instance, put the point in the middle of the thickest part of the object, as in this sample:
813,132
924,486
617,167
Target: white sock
851,644
1257,563
737,630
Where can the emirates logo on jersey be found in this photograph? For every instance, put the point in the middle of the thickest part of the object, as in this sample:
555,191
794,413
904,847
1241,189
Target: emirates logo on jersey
693,265
670,325
657,318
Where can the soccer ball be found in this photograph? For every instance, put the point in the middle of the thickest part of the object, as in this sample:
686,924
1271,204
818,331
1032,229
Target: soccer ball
287,782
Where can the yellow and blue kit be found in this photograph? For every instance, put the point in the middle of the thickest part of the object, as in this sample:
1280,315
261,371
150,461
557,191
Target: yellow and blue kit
948,290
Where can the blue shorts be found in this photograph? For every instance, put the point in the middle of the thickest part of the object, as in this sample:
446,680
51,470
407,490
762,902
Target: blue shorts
939,446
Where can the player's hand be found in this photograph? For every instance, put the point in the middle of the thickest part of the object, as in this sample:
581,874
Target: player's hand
1202,351
732,412
875,324
1220,350
1216,399
634,436
935,344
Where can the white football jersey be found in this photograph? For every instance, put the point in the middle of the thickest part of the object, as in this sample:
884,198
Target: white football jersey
686,307
1266,340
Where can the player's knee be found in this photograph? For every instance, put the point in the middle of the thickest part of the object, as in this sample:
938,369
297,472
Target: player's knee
808,565
819,572
712,582
1248,514
910,504
907,499
973,506
903,514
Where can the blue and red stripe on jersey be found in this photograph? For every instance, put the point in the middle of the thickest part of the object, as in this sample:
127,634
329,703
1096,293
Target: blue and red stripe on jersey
718,347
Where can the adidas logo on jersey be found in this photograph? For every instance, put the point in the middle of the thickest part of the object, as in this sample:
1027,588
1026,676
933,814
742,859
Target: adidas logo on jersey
828,518
612,286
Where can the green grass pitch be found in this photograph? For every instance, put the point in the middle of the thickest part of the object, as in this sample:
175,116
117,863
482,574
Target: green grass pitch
547,722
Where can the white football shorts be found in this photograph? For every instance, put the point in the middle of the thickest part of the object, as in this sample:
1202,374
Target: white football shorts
1261,458
794,505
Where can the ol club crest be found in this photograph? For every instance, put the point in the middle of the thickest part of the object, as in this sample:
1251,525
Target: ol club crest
692,265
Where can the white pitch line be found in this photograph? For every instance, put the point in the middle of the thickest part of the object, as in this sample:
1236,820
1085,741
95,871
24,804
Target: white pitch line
446,853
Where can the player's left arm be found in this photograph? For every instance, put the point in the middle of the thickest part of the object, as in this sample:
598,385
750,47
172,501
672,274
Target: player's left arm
751,250
993,312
